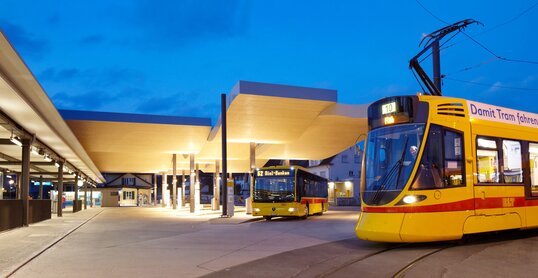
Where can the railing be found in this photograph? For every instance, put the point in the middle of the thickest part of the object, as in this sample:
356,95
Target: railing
39,210
10,214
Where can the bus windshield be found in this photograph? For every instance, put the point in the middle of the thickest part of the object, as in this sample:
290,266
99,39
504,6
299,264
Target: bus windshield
274,189
391,153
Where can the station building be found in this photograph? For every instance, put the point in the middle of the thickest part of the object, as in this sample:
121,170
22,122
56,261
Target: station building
131,153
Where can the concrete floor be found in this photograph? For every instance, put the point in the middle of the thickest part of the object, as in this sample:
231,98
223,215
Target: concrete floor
156,242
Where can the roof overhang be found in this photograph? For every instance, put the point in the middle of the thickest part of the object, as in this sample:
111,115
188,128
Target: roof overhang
25,102
284,122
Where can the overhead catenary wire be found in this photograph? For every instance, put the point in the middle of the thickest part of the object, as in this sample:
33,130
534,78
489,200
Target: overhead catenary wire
491,85
467,68
514,18
482,45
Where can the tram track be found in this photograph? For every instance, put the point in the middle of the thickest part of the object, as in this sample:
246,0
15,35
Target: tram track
346,268
401,273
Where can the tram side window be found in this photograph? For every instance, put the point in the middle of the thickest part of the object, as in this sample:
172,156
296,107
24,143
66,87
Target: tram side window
487,159
453,163
442,160
513,171
533,159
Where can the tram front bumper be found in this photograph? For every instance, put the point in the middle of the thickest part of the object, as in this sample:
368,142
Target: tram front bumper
380,227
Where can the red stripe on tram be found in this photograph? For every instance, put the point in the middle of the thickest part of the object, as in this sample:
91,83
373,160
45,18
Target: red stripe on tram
469,204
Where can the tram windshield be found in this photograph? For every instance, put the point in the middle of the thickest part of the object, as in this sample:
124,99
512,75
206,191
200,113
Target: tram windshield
274,189
391,154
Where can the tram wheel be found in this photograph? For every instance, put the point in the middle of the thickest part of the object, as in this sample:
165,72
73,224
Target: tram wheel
268,218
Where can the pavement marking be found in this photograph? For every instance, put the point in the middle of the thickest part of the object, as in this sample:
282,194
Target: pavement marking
35,255
39,235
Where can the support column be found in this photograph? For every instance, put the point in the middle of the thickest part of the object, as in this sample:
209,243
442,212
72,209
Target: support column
60,188
197,193
216,188
163,189
40,197
183,188
75,202
2,185
251,176
18,175
174,182
91,196
154,190
192,182
286,162
85,195
25,181
223,106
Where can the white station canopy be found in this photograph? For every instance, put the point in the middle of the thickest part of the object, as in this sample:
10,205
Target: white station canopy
24,101
285,122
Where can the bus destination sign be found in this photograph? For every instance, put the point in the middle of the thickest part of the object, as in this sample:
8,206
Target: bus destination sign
273,173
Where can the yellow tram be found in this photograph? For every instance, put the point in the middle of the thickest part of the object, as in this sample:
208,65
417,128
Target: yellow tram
436,168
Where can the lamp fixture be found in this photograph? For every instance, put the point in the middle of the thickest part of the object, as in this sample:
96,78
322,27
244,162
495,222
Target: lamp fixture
15,140
47,158
35,150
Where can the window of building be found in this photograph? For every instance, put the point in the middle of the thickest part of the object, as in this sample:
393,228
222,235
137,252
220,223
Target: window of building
441,164
128,181
351,173
344,158
512,170
487,160
128,195
533,159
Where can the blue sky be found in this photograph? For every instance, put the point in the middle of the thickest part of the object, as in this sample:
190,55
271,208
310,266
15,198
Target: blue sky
177,57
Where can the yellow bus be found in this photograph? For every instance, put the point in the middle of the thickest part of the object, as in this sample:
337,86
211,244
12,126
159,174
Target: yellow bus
288,191
436,168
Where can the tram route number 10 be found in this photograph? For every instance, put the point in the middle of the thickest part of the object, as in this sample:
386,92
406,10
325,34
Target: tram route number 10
388,108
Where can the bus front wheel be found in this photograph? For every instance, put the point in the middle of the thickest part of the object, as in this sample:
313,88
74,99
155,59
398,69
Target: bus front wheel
306,212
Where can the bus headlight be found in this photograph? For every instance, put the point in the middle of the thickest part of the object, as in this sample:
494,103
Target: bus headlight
256,210
292,209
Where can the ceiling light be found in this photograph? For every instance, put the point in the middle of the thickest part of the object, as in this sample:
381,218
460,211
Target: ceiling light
56,164
16,140
34,150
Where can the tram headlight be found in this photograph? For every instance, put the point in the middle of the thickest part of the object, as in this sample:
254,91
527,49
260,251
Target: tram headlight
410,199
256,210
